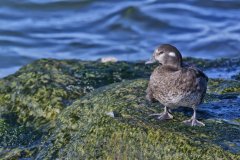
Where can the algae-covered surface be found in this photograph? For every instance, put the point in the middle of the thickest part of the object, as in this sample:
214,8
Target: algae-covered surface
17,140
91,132
39,91
71,109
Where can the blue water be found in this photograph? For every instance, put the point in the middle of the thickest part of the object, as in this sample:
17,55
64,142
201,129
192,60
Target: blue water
128,30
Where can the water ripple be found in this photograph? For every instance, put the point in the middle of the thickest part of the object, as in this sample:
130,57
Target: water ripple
128,30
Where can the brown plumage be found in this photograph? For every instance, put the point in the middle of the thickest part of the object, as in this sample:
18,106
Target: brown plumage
174,85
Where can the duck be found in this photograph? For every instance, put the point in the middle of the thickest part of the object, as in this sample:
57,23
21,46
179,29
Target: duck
174,84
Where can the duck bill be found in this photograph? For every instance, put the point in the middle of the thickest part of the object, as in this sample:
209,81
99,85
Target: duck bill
151,61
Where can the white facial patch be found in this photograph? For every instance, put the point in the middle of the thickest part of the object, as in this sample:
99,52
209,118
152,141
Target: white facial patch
172,54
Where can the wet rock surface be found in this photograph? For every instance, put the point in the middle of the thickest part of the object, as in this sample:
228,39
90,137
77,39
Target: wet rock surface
71,108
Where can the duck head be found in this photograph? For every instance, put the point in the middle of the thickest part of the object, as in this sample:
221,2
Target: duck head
167,54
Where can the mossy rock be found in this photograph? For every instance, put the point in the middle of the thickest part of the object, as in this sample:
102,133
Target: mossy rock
88,129
14,154
226,63
34,97
15,135
17,141
221,86
38,92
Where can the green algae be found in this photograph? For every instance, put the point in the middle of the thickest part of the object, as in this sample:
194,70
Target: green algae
87,131
222,86
15,154
38,92
213,64
17,141
13,135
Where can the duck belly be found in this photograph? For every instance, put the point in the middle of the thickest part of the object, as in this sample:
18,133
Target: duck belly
184,99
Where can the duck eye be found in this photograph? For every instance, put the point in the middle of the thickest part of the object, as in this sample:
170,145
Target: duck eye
160,52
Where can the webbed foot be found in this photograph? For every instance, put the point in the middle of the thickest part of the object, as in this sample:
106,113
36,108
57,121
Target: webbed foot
163,116
193,122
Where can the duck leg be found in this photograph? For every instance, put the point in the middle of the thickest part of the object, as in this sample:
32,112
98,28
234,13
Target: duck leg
163,116
193,121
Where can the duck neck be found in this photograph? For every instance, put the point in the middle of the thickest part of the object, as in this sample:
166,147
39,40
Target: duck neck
173,64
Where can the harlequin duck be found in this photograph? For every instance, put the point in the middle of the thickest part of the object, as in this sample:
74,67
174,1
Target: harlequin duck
174,85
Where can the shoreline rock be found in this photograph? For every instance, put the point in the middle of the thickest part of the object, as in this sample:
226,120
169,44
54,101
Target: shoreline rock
86,131
49,93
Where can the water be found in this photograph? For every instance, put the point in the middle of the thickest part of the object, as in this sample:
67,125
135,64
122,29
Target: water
128,30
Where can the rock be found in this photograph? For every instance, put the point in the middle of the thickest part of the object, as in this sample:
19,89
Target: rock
84,130
17,141
76,96
230,64
38,92
108,59
221,86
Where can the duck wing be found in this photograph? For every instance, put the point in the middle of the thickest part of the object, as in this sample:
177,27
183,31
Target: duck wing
199,73
193,79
